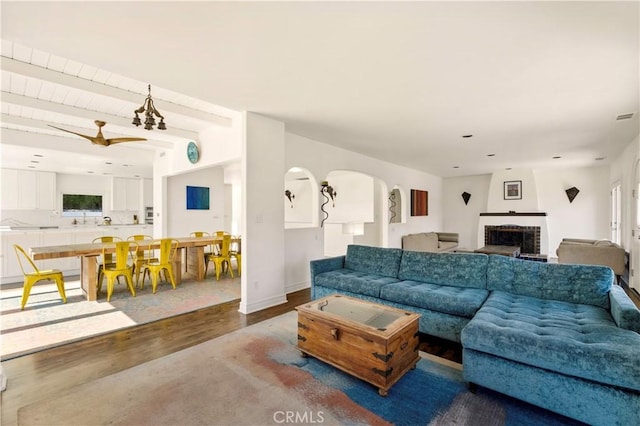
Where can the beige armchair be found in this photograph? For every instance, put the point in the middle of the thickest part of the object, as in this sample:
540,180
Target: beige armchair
592,252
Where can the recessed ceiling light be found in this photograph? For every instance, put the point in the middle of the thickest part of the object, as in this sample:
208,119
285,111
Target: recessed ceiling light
600,158
35,161
136,175
491,155
508,168
90,171
556,157
106,173
31,167
38,155
107,162
467,136
125,165
456,167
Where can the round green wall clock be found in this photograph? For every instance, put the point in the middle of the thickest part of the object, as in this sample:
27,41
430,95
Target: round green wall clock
192,152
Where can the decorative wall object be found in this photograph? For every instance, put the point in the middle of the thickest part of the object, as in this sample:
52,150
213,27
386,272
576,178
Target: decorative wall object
327,192
419,203
197,198
513,190
466,196
290,196
572,193
392,206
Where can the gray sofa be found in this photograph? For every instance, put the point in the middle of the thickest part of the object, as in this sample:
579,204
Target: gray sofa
592,252
431,242
558,336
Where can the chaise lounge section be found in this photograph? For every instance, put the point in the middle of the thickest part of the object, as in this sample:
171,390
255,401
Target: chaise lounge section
558,336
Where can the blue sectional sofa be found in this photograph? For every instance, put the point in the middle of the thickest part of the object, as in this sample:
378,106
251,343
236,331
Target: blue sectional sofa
562,337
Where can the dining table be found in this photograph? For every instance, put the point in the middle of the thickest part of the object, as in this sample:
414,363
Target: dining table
188,262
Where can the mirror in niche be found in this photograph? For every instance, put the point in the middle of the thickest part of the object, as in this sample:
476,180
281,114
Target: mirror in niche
298,199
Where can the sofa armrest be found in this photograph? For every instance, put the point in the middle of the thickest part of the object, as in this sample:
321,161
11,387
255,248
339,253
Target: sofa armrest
327,264
623,310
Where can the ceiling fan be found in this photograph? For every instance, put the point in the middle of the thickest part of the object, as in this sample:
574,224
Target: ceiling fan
99,138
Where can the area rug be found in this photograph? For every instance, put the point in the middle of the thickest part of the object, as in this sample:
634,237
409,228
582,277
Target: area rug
255,376
47,322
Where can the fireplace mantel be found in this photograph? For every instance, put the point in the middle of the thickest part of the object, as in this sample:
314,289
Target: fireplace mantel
515,214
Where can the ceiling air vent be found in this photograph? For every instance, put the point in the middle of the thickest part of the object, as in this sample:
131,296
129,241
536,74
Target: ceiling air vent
624,116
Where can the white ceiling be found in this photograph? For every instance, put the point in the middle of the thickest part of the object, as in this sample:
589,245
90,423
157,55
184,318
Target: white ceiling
399,81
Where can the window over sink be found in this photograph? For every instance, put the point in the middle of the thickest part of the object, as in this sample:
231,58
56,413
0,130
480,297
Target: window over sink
81,205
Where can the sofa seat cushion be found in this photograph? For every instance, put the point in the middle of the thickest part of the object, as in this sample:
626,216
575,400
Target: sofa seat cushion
353,281
576,340
446,245
459,301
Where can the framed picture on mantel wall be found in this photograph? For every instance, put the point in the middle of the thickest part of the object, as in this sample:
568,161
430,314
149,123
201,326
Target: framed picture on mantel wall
513,190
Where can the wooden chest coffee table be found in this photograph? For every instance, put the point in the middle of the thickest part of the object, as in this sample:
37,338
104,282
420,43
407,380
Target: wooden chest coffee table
373,342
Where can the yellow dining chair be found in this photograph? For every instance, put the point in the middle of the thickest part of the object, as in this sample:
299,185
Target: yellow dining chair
235,253
30,278
109,258
168,249
119,267
141,256
221,259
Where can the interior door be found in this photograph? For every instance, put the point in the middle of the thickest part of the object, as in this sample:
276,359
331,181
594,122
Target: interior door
634,256
616,214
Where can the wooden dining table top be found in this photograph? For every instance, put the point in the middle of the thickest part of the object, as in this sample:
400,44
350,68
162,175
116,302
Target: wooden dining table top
95,249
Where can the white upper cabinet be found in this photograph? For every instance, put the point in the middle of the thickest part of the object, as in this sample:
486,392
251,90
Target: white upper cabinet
28,190
125,194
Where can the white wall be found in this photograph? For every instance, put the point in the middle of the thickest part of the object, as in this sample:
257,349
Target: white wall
587,216
303,245
263,170
462,218
180,221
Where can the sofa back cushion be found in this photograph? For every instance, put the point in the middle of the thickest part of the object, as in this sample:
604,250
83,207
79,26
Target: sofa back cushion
373,260
582,284
424,241
453,269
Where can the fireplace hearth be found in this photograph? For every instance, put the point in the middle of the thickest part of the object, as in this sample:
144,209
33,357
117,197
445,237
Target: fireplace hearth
526,237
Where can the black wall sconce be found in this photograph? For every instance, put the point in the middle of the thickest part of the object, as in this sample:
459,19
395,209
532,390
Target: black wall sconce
290,196
327,192
572,193
466,197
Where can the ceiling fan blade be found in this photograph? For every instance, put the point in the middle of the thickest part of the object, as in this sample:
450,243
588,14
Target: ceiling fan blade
91,138
120,140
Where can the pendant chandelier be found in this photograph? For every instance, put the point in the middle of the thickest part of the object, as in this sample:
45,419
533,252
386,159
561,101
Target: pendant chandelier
149,111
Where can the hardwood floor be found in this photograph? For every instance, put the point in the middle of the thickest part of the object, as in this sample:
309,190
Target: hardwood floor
53,371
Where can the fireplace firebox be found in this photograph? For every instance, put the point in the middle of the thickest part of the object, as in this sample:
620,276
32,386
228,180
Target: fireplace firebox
526,237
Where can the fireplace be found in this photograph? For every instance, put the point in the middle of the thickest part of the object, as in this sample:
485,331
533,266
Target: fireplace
526,237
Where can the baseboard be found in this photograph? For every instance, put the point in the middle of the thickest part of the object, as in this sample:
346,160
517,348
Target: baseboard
292,288
262,304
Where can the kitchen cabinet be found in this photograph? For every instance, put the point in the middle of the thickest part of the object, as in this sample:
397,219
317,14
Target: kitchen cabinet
125,194
147,189
10,265
46,190
28,190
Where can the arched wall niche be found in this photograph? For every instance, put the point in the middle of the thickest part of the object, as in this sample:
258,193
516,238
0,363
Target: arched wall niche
358,213
300,199
397,203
